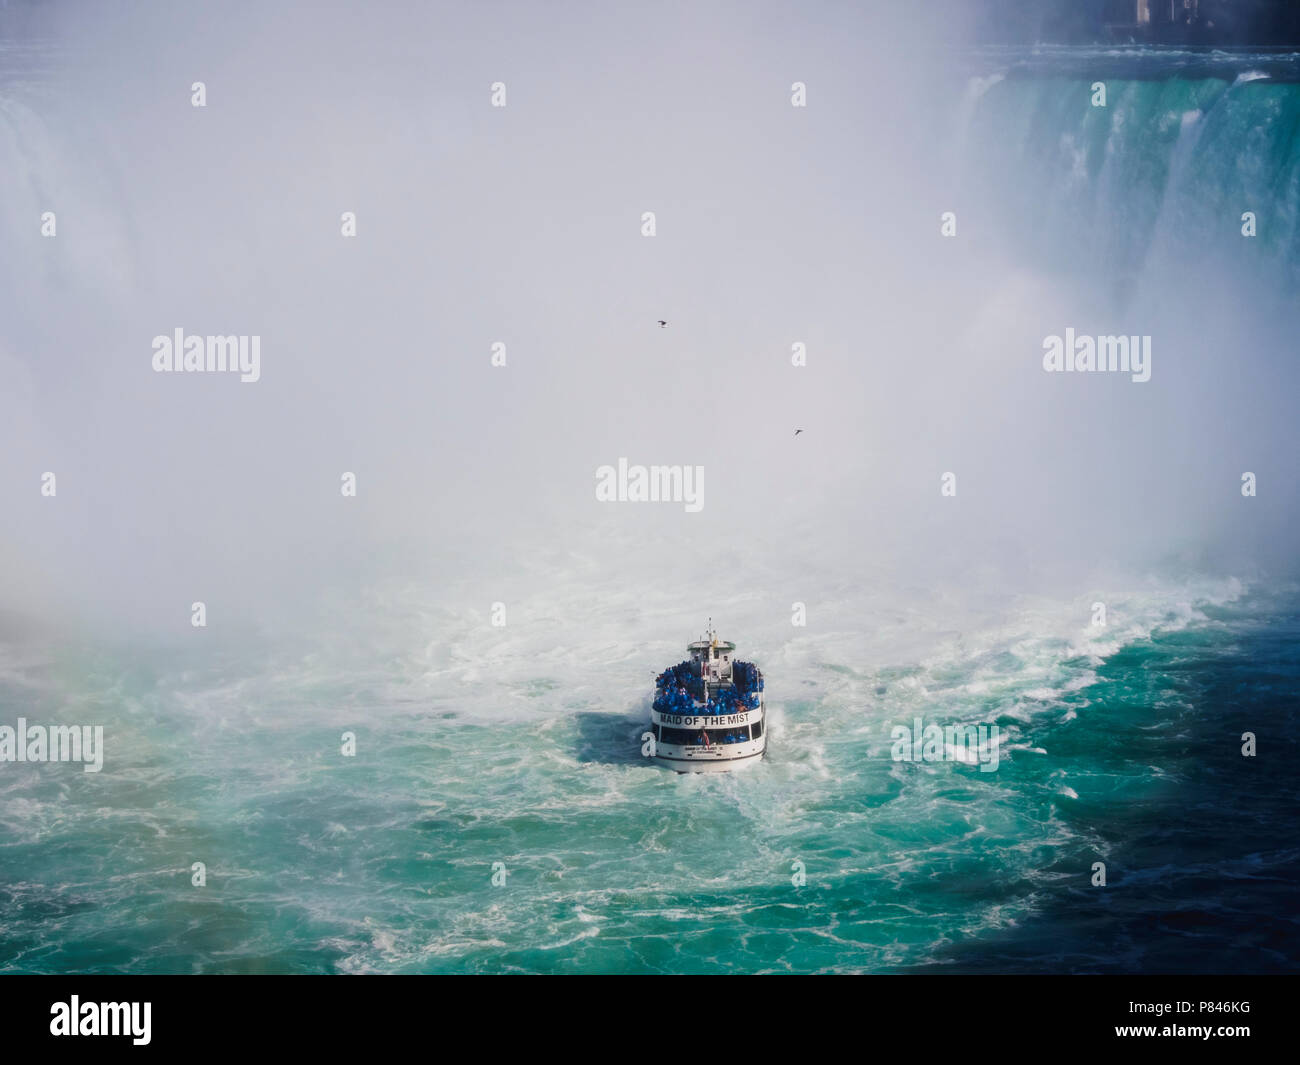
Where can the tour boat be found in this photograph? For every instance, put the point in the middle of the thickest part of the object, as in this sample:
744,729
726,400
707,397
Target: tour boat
707,713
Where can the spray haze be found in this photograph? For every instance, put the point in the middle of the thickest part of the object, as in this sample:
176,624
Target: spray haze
520,225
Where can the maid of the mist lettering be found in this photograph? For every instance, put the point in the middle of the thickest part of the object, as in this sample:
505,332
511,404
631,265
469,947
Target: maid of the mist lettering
1108,354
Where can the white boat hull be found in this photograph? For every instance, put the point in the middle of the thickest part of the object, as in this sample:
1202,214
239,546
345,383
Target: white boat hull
713,757
716,759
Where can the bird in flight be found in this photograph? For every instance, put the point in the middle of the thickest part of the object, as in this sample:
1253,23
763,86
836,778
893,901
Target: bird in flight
663,324
797,432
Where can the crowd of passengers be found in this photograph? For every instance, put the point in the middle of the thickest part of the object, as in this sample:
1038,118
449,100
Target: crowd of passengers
746,676
678,687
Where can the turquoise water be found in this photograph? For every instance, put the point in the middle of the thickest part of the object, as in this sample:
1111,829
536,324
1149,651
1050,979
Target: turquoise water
1120,745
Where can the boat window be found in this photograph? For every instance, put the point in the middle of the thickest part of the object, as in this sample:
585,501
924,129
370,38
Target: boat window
758,729
718,737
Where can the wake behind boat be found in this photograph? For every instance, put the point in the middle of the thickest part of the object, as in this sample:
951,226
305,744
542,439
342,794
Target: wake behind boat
707,714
